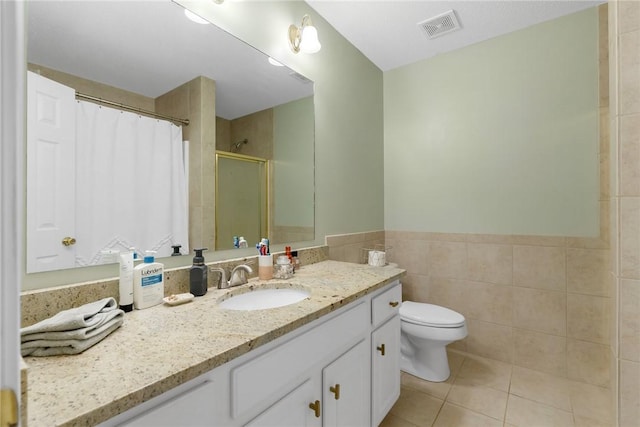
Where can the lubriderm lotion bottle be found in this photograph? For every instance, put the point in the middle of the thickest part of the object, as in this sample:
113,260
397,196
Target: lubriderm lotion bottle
148,282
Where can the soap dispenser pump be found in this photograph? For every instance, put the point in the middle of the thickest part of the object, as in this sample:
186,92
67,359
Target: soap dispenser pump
198,274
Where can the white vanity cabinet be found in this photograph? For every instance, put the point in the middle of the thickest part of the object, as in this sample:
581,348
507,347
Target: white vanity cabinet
324,356
385,352
327,373
291,410
338,396
345,388
192,408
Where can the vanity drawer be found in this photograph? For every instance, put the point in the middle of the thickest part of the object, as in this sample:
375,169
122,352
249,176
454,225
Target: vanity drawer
386,305
267,378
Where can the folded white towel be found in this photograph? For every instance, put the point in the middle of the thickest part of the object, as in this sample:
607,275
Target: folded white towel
92,314
55,347
72,331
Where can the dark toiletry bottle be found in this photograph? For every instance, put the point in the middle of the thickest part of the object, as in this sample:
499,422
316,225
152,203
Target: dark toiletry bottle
198,274
176,250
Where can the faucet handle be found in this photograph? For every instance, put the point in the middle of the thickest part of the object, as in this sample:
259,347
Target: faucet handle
223,277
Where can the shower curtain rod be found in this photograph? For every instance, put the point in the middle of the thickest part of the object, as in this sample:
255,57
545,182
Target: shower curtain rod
135,109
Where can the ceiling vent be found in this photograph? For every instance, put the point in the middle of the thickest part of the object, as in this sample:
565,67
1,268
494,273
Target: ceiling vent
440,25
300,77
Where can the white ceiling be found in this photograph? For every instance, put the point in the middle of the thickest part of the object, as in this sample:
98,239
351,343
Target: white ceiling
386,31
150,48
106,42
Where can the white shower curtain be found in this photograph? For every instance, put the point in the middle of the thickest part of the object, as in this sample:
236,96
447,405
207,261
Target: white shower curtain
131,184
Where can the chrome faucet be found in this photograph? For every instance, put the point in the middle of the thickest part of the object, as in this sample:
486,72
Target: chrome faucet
222,284
238,276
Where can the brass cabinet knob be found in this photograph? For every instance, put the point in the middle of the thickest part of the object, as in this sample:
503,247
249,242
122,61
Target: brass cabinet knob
335,390
68,241
381,349
315,406
394,303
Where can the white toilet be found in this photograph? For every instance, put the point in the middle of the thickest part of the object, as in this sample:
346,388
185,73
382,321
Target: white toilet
426,331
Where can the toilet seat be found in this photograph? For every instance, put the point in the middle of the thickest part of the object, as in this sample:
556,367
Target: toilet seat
430,315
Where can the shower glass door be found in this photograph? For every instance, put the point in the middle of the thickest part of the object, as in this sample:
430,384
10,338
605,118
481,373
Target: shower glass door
241,199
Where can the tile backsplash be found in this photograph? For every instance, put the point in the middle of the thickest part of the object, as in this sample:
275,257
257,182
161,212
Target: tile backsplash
534,301
41,304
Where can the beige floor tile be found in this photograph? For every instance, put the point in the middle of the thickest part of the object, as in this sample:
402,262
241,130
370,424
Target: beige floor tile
486,372
394,421
592,402
541,387
438,390
416,407
455,362
527,413
455,416
485,400
485,392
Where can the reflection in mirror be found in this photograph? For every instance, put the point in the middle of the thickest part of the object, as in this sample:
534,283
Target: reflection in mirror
241,199
148,56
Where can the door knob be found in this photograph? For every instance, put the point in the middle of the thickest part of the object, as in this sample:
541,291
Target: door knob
381,349
68,241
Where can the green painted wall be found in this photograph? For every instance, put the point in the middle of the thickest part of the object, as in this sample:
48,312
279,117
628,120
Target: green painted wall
349,175
499,137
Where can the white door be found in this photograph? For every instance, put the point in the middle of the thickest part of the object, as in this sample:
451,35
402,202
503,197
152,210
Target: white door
345,389
12,65
385,368
51,136
293,410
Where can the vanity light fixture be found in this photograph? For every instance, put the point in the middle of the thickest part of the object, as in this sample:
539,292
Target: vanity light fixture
304,38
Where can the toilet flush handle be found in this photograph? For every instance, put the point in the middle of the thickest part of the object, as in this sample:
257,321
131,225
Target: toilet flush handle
394,303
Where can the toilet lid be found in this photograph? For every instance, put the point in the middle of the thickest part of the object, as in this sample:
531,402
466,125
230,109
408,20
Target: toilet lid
430,315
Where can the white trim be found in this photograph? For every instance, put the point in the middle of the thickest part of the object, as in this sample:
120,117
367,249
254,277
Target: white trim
12,113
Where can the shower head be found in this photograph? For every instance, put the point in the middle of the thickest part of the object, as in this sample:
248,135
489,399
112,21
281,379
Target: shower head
236,147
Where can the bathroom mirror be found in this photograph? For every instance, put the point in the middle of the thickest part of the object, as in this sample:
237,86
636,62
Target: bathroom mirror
136,52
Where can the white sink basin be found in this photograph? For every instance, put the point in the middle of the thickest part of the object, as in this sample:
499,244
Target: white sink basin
262,299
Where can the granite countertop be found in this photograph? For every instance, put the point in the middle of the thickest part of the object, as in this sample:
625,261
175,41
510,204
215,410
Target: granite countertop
164,346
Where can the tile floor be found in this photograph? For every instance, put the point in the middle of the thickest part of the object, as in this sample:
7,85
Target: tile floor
485,392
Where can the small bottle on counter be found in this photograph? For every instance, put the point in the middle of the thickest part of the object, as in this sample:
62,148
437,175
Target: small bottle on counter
148,283
198,275
265,267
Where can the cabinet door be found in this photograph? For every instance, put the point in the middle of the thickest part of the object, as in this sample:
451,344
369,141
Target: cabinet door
192,408
345,391
385,368
293,410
